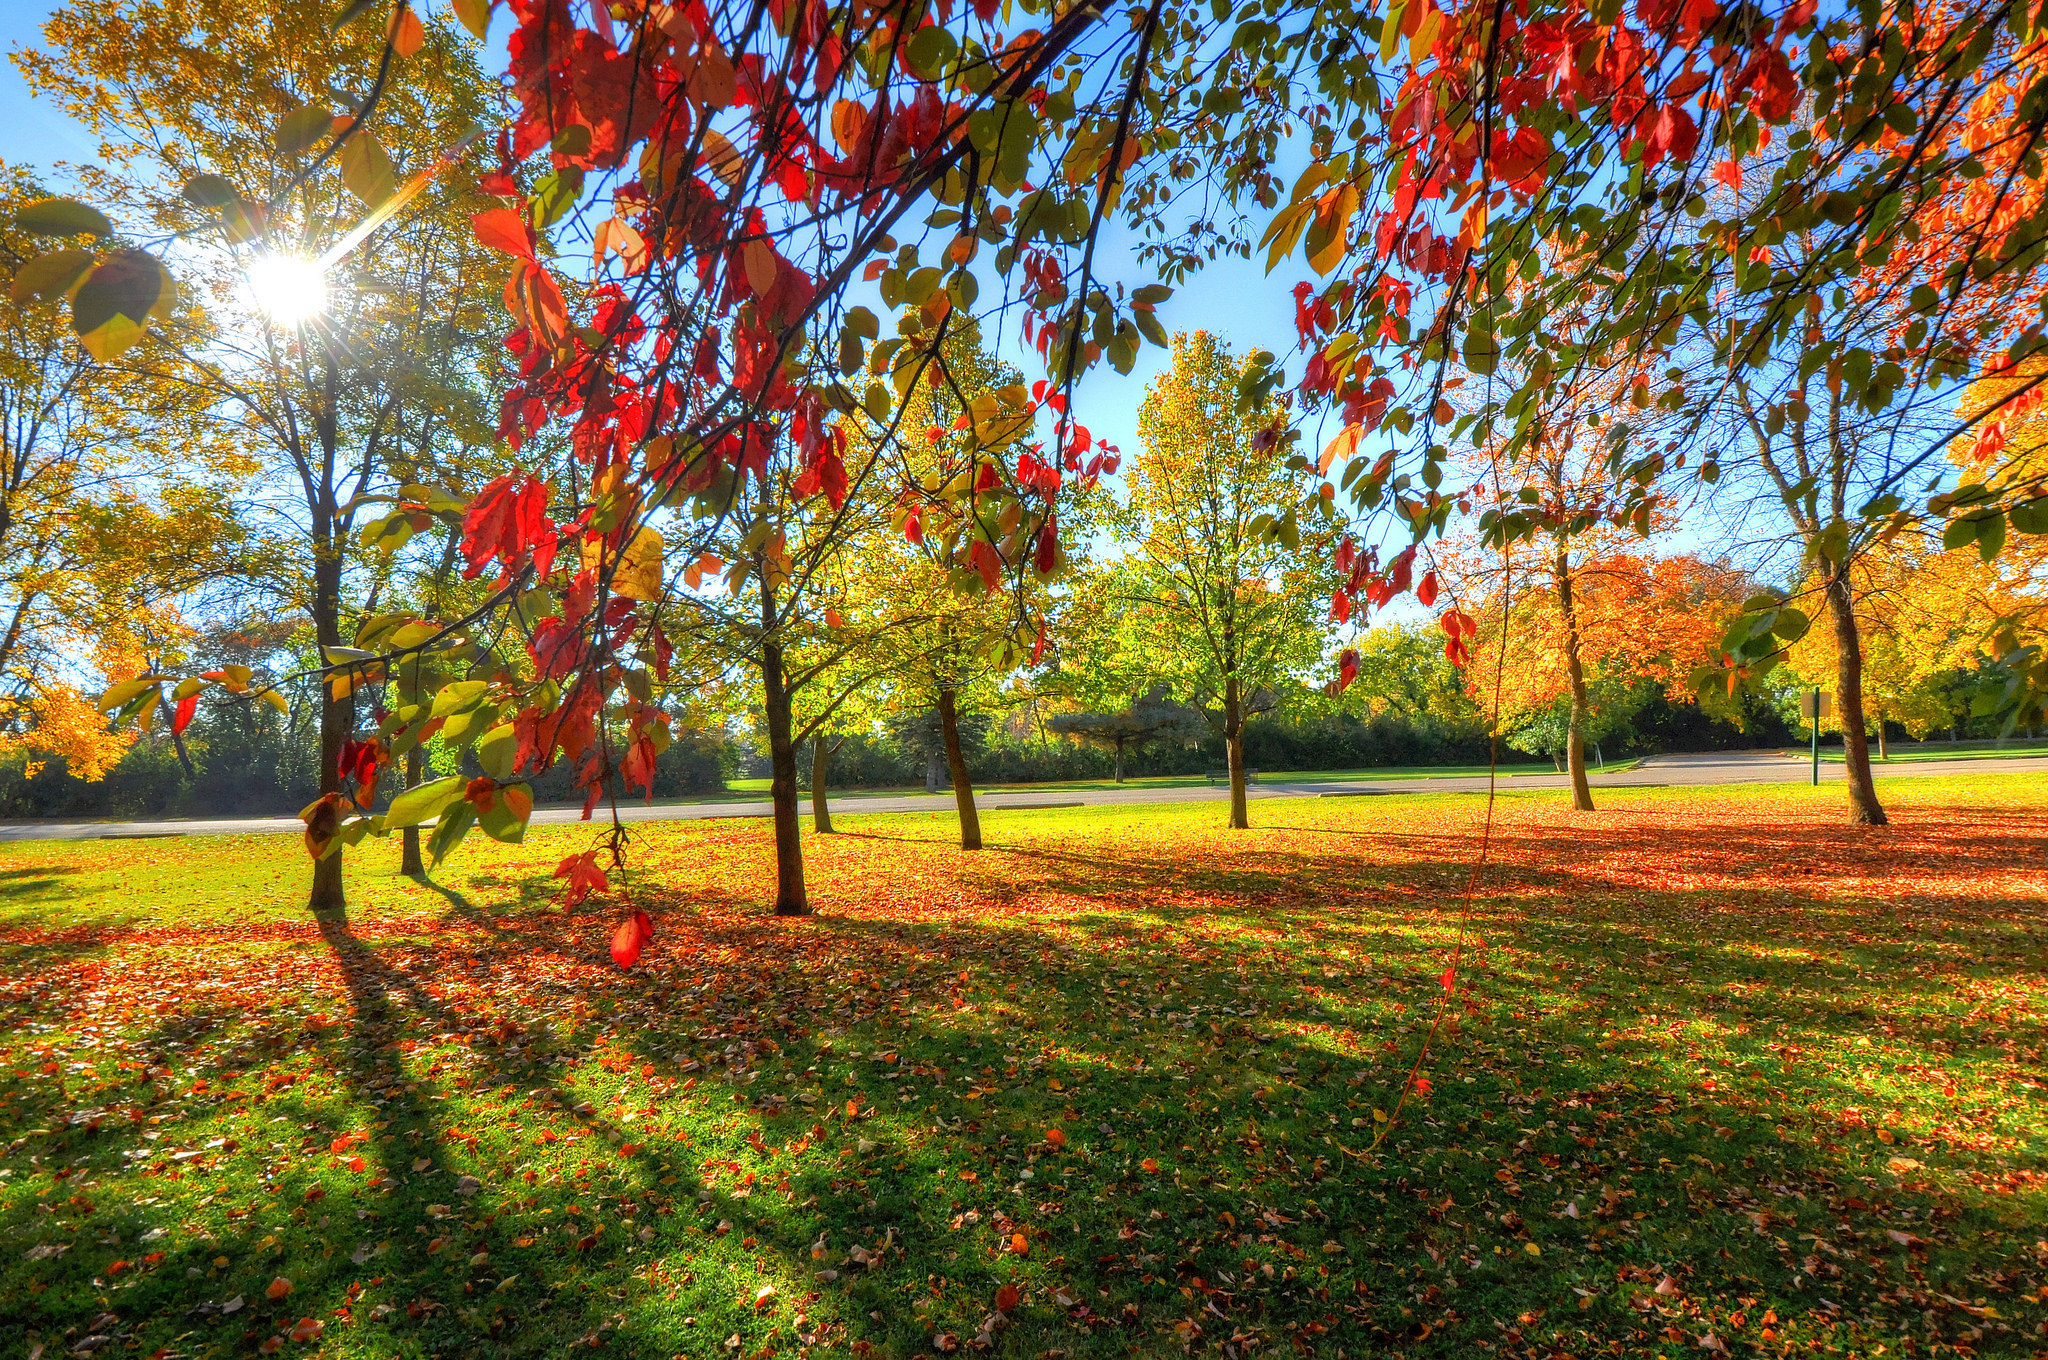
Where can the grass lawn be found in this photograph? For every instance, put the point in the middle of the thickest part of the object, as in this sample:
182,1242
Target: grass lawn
1720,1075
758,788
1904,753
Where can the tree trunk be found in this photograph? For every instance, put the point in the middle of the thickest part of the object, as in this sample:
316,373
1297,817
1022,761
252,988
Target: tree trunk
821,812
790,898
337,716
1863,804
1884,750
410,861
931,771
956,764
1575,673
1233,745
184,756
1119,760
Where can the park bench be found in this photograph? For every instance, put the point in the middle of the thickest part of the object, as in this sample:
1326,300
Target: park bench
1223,776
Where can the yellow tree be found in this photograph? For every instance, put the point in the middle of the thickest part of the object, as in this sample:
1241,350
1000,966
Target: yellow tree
341,278
112,502
1214,542
966,624
1925,618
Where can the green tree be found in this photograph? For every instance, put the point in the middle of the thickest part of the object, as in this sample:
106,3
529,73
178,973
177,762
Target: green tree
1216,555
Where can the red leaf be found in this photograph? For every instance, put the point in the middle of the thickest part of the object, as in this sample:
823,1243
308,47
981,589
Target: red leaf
1007,1298
630,938
1450,973
183,717
1425,590
627,944
503,229
584,877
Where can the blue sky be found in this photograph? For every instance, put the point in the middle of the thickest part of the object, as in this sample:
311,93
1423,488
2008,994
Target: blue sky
1233,298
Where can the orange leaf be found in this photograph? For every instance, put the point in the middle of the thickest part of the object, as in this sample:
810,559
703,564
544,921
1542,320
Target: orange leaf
1151,1167
309,1329
503,229
1055,1138
1020,1244
1007,1298
279,1287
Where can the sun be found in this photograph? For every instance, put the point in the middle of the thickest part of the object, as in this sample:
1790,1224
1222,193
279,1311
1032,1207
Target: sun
288,289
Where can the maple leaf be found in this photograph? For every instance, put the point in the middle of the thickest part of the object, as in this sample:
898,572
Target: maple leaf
584,876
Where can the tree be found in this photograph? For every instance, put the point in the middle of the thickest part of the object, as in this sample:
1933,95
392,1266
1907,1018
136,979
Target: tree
1214,546
1923,620
1153,716
1632,618
967,624
326,349
113,502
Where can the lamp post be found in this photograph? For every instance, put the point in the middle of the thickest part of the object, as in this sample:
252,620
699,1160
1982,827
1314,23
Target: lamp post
1813,706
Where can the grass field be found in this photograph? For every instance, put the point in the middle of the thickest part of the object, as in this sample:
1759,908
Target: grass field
758,788
1906,753
1714,1074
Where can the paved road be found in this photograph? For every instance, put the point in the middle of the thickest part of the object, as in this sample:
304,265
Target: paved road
1728,767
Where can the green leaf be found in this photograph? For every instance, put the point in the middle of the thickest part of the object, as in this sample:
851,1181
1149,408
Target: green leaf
244,220
459,695
302,130
50,275
1991,536
2030,517
931,50
1790,624
63,217
366,169
449,831
506,820
423,802
555,194
210,191
498,750
125,691
113,305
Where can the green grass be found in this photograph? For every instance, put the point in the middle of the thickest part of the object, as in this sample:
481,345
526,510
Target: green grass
1905,753
739,789
1718,1066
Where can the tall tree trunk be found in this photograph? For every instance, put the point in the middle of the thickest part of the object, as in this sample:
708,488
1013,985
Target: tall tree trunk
1884,750
1233,745
1575,673
790,898
337,716
410,861
1863,804
1119,760
821,812
931,772
956,765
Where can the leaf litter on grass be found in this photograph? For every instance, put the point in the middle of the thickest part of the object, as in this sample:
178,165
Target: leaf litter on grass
1717,1074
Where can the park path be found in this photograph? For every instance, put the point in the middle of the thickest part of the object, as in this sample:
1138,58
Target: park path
1719,767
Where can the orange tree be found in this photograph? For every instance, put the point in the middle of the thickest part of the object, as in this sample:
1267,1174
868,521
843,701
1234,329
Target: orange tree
1599,615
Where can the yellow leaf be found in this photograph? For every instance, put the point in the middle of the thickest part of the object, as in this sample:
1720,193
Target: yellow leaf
637,575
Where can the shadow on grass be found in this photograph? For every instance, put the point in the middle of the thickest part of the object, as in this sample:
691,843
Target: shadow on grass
1650,1086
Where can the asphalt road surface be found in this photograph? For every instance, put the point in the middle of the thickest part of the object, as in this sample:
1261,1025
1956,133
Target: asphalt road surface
1723,767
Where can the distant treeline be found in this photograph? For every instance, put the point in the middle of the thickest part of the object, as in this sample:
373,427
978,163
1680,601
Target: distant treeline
246,760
